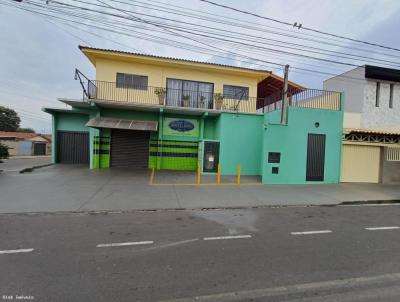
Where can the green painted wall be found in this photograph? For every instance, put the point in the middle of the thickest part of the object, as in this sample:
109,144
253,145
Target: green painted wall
134,115
101,149
291,141
71,121
67,122
93,133
240,137
210,126
173,155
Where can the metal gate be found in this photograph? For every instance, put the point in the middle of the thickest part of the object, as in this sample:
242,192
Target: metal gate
361,163
39,149
315,157
130,148
72,147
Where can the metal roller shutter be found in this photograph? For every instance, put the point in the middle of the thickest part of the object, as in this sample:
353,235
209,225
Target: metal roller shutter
361,163
72,147
130,148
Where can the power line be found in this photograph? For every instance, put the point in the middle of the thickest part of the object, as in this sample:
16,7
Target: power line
257,27
303,27
249,58
243,35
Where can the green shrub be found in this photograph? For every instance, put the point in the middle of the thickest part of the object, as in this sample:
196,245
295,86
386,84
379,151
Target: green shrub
4,151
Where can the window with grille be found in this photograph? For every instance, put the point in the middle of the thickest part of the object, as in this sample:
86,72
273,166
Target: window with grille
393,154
193,93
133,81
236,92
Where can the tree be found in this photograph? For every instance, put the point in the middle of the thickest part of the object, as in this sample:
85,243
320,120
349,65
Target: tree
9,119
27,130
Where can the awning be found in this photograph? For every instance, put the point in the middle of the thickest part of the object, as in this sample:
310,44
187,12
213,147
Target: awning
115,123
393,131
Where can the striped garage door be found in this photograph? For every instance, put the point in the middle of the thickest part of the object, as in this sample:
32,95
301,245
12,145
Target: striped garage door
72,147
361,163
130,148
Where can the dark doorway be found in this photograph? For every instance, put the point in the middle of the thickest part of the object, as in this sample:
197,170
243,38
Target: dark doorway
39,149
211,156
315,157
72,147
130,148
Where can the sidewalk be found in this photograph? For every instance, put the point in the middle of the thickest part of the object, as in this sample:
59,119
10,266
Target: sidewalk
73,188
16,164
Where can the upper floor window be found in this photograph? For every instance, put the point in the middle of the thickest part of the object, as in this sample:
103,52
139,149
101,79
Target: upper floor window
391,95
125,80
378,92
236,92
190,93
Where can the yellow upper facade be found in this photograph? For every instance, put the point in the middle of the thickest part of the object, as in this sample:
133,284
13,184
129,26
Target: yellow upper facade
158,72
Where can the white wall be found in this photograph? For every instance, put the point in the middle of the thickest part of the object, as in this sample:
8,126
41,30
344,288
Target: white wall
382,116
352,84
360,100
351,120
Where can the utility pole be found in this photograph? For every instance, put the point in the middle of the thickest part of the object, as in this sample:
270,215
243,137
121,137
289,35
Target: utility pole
285,96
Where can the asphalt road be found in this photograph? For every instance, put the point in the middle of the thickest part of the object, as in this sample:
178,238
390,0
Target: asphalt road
275,254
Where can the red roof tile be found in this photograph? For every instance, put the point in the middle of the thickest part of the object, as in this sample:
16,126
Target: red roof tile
23,135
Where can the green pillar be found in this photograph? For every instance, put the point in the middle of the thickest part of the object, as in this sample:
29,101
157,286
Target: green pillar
201,140
53,138
94,137
160,137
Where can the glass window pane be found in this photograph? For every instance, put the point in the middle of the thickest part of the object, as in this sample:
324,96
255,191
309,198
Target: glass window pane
236,92
174,92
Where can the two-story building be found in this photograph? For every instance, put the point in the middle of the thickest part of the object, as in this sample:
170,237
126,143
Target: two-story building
145,111
371,123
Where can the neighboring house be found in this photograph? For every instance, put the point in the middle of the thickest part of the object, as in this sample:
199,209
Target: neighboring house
371,124
26,144
145,111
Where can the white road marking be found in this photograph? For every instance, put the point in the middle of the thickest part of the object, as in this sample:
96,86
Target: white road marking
124,243
227,237
16,251
383,228
311,232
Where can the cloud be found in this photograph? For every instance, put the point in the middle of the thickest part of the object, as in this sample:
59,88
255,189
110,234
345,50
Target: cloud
38,58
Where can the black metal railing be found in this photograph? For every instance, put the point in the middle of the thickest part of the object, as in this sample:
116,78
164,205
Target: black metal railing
159,96
88,86
148,95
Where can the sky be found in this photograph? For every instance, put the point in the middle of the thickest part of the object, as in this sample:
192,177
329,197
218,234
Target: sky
38,55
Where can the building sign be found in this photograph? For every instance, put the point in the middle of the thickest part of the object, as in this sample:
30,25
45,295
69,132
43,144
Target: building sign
181,127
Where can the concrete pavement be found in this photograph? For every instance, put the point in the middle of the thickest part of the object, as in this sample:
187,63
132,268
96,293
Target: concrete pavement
76,188
350,263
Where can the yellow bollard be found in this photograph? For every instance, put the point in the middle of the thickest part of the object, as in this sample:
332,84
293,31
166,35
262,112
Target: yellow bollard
219,174
238,175
151,176
198,173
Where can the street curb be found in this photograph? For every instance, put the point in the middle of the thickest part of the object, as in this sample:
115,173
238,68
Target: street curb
109,211
25,170
30,157
368,202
